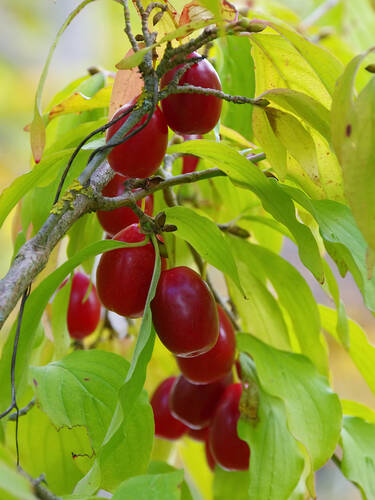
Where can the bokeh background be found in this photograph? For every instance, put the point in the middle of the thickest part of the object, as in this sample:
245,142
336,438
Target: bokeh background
96,38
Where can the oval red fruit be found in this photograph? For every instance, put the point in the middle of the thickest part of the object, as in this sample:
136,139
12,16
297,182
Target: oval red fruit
166,426
216,362
124,275
83,315
193,113
229,451
193,404
190,162
184,312
141,155
113,221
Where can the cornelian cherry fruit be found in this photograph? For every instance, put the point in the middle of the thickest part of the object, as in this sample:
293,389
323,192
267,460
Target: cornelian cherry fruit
190,162
141,155
198,434
83,315
229,451
209,457
166,426
193,404
193,113
215,363
124,275
113,221
184,312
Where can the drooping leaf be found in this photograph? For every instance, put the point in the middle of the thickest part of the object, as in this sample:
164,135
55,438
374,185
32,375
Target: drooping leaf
247,175
305,107
343,240
230,484
313,411
206,238
236,71
152,487
358,462
81,390
34,308
48,450
276,461
293,294
359,348
355,409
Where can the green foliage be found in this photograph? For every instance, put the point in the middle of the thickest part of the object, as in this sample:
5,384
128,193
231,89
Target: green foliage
93,426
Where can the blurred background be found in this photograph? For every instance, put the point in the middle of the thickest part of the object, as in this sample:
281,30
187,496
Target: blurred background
96,38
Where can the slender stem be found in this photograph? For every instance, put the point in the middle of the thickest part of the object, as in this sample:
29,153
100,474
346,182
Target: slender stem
24,411
318,13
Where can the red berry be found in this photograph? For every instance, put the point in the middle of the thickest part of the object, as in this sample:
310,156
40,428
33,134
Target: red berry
113,221
195,404
166,426
184,312
215,363
229,451
83,315
142,154
198,434
209,457
124,275
193,113
190,162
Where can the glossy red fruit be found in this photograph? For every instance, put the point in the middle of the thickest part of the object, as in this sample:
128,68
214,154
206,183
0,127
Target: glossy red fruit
190,162
209,457
193,113
124,275
216,362
184,312
198,434
229,451
83,315
195,404
166,426
142,154
113,221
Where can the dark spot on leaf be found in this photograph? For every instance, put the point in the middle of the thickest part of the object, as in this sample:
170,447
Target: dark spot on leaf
348,130
86,379
35,382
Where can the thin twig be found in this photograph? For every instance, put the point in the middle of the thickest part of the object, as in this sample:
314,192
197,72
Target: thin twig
192,89
318,13
24,411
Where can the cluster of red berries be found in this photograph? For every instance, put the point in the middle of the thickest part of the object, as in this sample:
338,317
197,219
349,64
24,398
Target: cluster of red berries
202,401
185,315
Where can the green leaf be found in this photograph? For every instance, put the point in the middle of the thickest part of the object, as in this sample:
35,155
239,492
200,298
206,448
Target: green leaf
295,139
293,294
59,326
324,64
206,238
313,410
230,484
57,453
359,348
343,240
37,129
157,467
152,487
270,143
305,107
276,461
13,486
246,174
34,308
40,175
236,71
259,312
133,416
358,462
355,409
81,389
